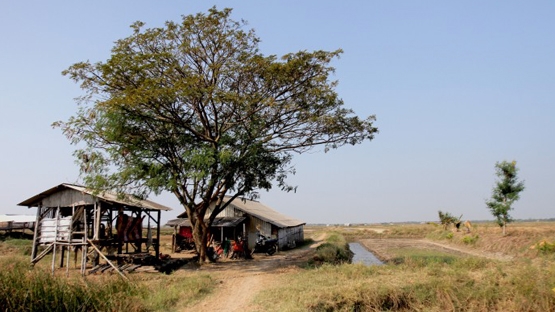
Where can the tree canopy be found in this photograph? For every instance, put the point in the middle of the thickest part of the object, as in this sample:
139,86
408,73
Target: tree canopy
506,191
195,109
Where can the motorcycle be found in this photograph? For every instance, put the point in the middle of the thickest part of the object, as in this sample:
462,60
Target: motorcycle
214,251
265,245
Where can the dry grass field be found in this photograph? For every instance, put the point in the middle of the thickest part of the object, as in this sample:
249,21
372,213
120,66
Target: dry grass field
427,269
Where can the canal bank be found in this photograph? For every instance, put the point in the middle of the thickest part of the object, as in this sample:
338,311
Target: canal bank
362,255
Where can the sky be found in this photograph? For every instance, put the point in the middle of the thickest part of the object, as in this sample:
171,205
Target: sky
456,86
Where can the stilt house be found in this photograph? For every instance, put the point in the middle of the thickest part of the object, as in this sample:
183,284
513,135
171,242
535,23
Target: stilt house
72,217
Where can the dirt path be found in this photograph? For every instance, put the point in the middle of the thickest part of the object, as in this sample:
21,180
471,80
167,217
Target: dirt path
239,281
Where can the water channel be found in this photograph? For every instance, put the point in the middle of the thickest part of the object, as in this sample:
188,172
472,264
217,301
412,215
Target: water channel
361,255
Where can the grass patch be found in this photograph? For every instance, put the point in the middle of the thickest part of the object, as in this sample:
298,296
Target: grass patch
165,293
334,251
15,246
23,288
459,284
422,257
470,239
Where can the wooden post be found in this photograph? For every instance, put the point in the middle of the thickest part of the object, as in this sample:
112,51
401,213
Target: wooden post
95,228
158,235
56,220
62,255
139,216
108,261
35,235
84,245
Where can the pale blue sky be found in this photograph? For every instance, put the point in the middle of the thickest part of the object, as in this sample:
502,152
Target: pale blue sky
455,85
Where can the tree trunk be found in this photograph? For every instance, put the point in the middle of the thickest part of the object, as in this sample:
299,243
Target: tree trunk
200,236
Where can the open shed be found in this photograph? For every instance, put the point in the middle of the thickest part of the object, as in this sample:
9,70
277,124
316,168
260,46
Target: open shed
256,217
71,218
11,222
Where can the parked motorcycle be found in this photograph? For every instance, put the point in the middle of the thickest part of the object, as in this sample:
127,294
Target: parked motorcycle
266,245
214,251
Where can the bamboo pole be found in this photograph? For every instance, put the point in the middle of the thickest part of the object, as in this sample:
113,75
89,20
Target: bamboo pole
42,254
157,250
84,247
109,262
55,239
36,233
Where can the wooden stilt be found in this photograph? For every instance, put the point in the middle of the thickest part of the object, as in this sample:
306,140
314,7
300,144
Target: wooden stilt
57,220
36,235
108,261
158,236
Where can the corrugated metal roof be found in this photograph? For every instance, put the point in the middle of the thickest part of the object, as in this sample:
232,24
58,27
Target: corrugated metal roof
218,222
178,222
129,200
265,213
228,221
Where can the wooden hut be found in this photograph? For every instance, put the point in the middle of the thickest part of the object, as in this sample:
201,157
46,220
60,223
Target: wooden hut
255,217
71,218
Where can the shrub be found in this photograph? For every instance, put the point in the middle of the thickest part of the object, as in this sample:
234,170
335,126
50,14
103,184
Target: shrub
545,247
334,251
470,239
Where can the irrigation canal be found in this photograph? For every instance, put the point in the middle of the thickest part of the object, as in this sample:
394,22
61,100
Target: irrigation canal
363,256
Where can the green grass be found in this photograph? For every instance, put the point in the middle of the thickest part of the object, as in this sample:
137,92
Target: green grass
425,257
335,250
15,246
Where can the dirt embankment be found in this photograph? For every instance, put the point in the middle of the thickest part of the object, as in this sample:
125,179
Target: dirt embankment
383,248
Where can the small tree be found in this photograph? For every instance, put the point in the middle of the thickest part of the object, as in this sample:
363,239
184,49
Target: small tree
445,218
505,193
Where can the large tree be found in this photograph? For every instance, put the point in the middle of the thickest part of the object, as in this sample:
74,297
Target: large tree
195,109
506,191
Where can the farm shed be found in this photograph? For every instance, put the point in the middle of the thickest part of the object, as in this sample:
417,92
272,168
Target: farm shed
109,225
263,219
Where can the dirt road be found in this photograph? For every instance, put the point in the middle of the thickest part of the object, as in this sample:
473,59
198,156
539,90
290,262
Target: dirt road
240,280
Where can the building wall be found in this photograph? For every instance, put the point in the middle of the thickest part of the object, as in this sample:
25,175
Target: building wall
290,237
68,198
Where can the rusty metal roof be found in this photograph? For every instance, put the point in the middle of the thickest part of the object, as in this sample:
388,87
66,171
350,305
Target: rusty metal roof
127,200
260,211
264,213
218,222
